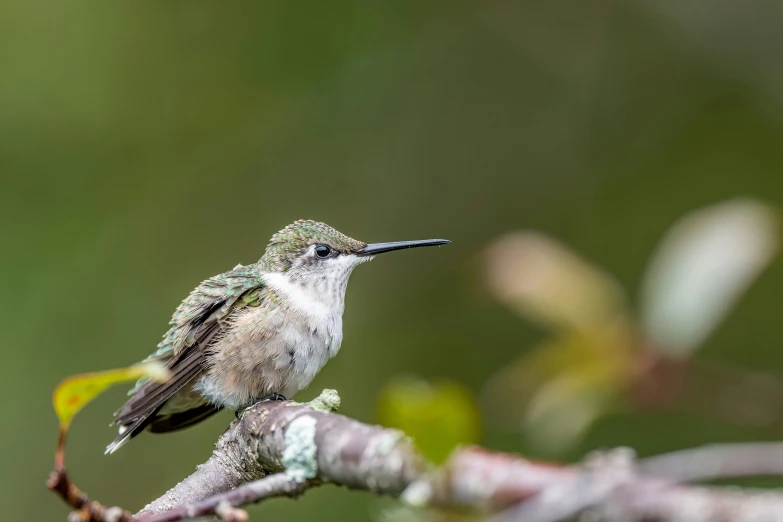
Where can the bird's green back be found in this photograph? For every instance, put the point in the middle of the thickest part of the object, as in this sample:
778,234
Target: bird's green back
213,300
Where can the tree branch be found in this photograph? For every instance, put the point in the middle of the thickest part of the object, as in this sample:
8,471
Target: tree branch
285,448
314,445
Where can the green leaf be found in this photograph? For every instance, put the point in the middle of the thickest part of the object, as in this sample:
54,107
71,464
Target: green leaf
438,416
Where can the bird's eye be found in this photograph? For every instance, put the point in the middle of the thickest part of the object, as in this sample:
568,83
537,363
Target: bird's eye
322,251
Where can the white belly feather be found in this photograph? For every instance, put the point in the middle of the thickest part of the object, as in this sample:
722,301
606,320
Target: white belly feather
249,363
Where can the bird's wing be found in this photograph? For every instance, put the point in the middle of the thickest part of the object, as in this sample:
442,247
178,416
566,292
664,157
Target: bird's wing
196,324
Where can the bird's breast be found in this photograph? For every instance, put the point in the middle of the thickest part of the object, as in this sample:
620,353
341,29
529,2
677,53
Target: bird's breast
271,350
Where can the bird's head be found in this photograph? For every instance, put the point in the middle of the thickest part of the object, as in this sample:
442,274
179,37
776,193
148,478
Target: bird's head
308,250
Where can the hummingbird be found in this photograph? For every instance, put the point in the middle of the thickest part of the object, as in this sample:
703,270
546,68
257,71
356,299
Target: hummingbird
258,332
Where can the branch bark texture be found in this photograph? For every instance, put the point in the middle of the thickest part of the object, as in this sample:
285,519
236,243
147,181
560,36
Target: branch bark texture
309,442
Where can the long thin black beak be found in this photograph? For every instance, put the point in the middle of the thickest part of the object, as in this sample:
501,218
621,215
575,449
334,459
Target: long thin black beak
380,248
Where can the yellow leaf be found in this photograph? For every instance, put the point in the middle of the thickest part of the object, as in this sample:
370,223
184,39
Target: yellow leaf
74,392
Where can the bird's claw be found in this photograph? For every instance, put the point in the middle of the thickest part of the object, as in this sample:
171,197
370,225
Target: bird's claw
271,397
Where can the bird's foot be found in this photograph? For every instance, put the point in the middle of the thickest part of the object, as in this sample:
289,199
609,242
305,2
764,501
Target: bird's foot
271,397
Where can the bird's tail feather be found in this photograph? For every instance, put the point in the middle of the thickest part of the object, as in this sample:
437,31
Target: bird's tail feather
126,433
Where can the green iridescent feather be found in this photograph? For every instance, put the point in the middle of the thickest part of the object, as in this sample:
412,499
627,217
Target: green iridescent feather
222,291
289,243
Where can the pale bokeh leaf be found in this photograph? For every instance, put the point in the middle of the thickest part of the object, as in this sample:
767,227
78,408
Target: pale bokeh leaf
702,266
543,280
557,390
565,407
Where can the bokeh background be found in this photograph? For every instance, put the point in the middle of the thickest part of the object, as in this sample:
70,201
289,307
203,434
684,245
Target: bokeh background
145,146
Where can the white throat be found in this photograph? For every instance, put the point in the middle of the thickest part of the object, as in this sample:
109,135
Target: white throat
305,298
317,294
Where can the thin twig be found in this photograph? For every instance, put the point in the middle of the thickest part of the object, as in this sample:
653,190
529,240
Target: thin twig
85,510
717,461
277,485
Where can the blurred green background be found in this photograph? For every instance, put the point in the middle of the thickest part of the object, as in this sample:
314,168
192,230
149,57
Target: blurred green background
145,146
